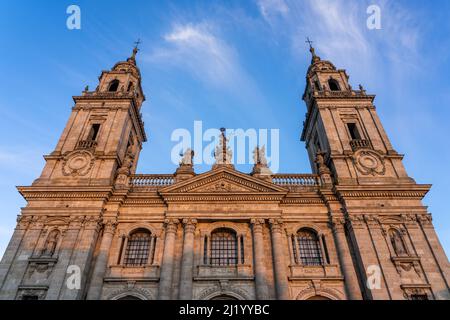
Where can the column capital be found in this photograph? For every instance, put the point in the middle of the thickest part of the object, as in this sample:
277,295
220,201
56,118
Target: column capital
425,220
276,225
257,225
109,226
189,225
171,225
356,221
23,221
372,220
337,224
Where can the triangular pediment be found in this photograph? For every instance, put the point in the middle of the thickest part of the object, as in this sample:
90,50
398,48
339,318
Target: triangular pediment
223,180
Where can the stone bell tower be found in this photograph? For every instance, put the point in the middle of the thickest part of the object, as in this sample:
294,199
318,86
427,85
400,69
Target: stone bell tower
70,217
375,208
343,123
104,134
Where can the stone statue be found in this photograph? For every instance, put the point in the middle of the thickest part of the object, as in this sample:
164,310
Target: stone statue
259,156
260,168
50,245
223,153
397,243
187,159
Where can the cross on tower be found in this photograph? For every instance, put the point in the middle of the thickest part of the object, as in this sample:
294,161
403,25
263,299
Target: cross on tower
137,43
136,49
309,41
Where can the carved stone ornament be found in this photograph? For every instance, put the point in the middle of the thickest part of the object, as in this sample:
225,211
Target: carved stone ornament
77,163
369,162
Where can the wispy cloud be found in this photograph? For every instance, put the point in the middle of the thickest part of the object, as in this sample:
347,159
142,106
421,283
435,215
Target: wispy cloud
272,8
339,31
195,48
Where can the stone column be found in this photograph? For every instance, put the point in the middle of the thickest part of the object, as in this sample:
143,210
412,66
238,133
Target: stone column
96,285
279,254
68,242
165,283
187,261
366,256
258,257
345,259
19,265
13,246
433,259
82,258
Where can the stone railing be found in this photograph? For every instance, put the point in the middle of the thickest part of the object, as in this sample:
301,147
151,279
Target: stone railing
151,180
86,144
154,181
360,144
346,93
296,179
109,94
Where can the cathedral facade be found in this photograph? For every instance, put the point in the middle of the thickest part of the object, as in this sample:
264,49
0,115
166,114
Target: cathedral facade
355,228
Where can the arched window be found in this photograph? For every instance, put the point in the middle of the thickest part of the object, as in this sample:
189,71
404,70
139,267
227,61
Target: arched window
223,247
397,242
317,86
113,86
334,85
309,247
130,86
138,248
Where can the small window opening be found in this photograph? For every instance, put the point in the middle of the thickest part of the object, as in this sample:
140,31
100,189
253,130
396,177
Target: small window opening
353,130
94,132
317,85
130,86
419,297
333,84
114,86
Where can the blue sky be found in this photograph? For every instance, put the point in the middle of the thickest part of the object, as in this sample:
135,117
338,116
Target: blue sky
234,64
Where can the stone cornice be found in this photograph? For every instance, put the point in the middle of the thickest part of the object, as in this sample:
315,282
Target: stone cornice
75,192
408,191
223,197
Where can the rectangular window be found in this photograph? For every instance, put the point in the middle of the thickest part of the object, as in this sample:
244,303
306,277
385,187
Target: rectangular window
419,297
327,257
205,250
353,130
317,143
94,132
30,297
242,249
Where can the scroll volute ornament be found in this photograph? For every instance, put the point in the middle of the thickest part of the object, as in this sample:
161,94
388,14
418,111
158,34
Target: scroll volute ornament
123,173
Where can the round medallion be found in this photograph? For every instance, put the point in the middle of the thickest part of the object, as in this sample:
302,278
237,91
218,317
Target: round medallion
369,162
77,163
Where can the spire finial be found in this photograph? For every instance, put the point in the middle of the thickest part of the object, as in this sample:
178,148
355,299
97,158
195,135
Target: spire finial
312,50
136,48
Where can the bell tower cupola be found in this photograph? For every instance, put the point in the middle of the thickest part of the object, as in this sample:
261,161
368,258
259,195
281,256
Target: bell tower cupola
104,134
343,125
